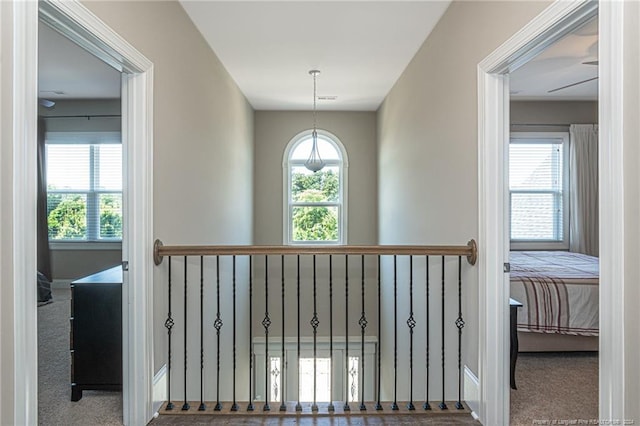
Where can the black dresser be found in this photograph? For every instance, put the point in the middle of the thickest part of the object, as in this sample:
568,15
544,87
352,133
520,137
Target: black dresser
96,332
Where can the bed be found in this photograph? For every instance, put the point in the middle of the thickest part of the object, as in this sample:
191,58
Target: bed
559,294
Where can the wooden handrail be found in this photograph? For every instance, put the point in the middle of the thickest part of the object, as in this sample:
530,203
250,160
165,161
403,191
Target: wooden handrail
159,250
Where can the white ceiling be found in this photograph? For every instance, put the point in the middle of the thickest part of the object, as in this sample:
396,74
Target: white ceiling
360,47
559,65
66,71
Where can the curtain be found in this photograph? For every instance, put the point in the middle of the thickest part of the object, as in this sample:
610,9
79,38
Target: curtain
583,194
44,255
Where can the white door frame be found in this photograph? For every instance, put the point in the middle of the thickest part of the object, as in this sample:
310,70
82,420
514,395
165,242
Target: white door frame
75,21
493,135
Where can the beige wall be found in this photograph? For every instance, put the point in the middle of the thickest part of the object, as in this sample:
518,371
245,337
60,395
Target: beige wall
427,142
559,113
70,265
203,141
357,132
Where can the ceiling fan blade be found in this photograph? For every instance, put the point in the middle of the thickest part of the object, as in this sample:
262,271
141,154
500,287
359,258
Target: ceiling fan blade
572,84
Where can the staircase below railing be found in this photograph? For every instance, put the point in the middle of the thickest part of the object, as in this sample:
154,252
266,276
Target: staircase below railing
323,294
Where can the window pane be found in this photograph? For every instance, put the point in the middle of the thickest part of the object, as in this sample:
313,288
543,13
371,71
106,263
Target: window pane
535,166
321,186
108,159
323,379
315,223
326,149
111,215
536,216
354,380
67,216
535,181
68,167
275,379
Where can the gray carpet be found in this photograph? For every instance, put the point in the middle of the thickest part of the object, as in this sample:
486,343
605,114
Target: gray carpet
561,386
54,363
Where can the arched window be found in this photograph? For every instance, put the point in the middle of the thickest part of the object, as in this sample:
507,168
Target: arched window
315,202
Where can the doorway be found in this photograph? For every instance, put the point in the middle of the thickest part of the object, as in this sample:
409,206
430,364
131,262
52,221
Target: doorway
80,232
552,190
81,26
493,78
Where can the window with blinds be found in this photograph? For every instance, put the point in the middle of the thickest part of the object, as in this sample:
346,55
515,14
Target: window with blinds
538,189
84,186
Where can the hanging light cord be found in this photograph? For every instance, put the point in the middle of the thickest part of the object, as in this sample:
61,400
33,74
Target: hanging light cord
314,163
315,97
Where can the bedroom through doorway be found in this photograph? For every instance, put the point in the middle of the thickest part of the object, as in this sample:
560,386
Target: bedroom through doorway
80,233
552,203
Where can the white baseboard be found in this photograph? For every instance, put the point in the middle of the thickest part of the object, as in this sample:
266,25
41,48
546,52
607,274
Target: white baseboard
472,391
159,388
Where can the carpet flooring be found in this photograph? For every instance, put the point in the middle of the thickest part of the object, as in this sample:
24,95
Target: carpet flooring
55,407
560,387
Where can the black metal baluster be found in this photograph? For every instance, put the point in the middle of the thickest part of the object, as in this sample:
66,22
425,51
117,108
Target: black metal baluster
185,406
169,325
202,406
426,404
346,332
298,405
460,325
363,325
378,404
217,324
314,324
234,406
394,406
283,406
266,322
331,407
411,323
250,407
443,405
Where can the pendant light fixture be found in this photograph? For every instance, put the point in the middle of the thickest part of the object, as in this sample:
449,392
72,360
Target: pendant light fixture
314,162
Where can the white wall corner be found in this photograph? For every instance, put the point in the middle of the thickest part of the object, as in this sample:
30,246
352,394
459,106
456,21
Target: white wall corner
159,388
472,391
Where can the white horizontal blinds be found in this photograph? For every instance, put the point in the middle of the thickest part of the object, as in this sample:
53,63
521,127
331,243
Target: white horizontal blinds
68,186
84,190
108,188
536,189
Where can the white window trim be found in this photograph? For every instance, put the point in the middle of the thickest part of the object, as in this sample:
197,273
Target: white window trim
286,188
85,245
549,244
